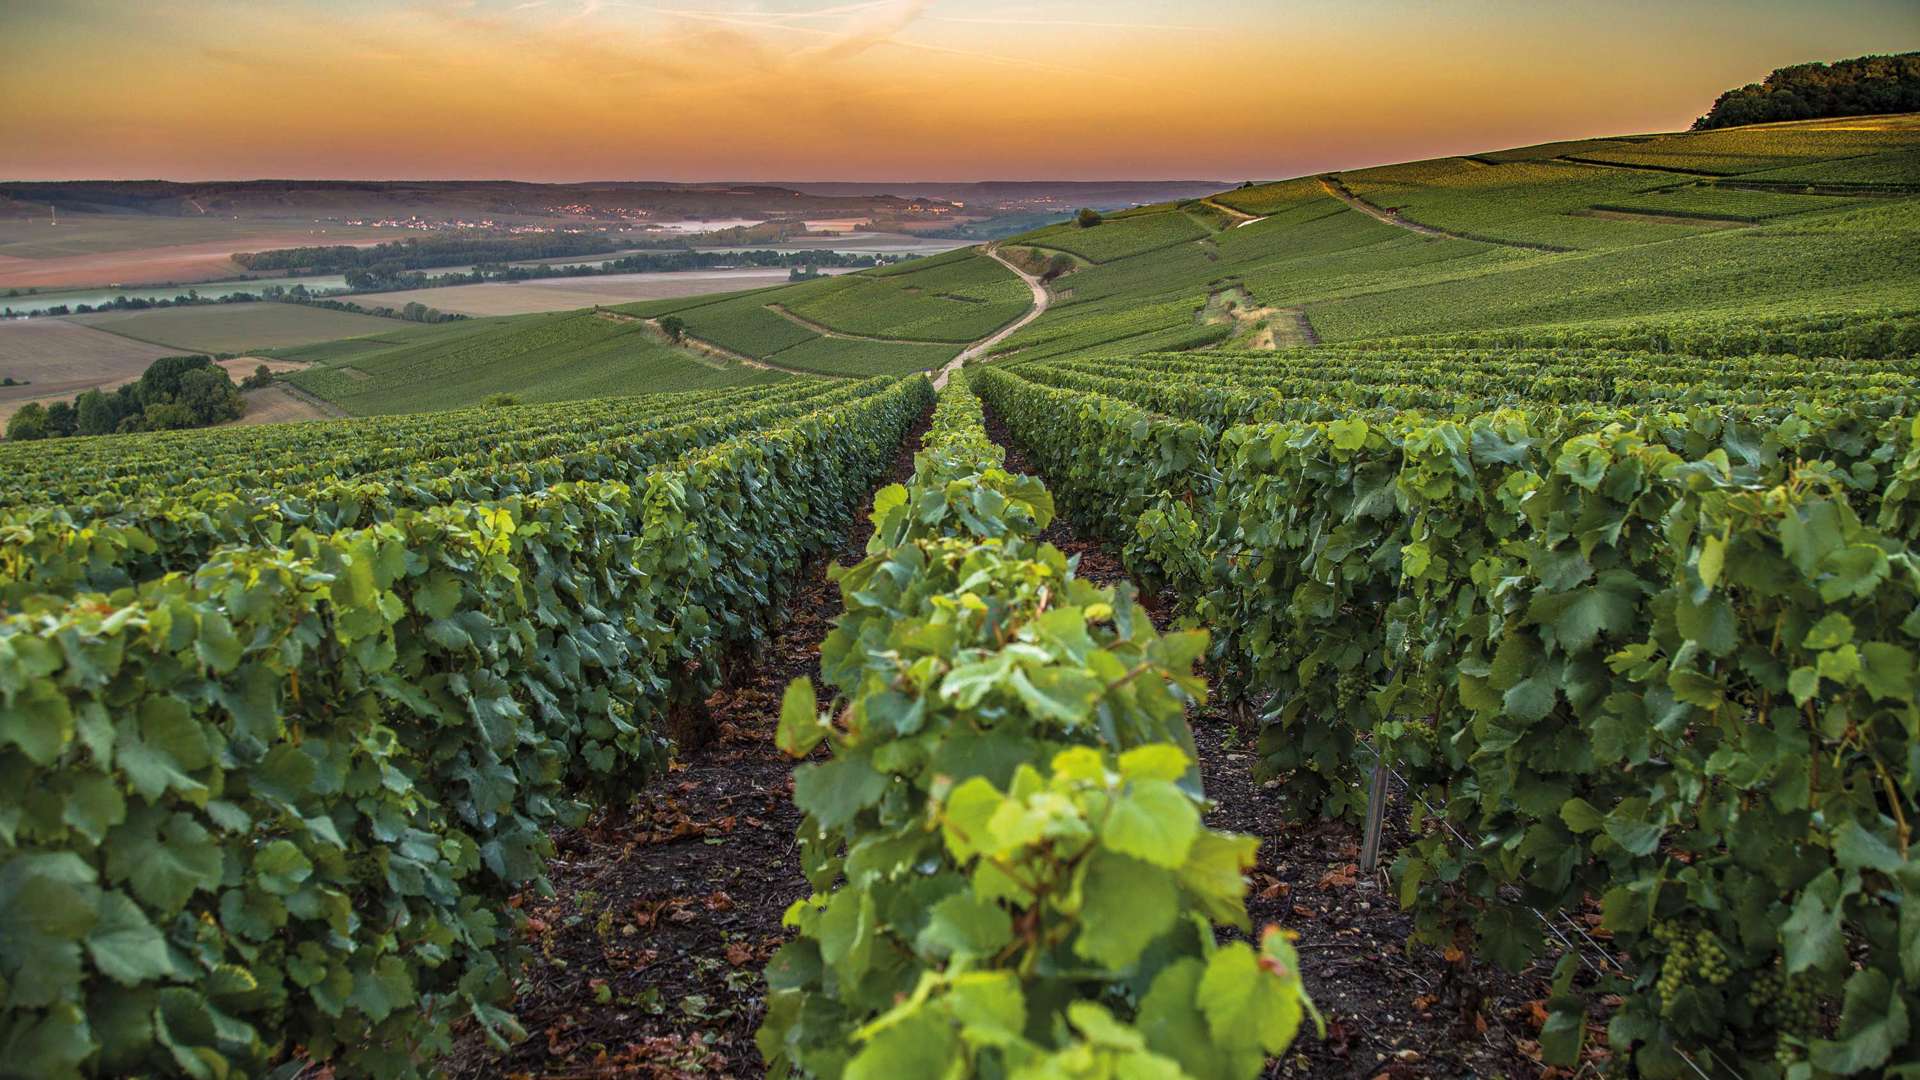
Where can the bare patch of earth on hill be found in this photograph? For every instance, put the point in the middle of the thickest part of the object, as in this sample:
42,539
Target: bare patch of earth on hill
1255,326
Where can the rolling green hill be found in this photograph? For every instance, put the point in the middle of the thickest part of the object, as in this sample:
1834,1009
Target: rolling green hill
889,321
535,358
1768,221
1774,220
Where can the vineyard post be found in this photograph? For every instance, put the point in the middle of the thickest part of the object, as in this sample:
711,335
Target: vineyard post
1376,813
1376,803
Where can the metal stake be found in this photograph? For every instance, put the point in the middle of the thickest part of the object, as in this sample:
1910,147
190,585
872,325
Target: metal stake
1376,814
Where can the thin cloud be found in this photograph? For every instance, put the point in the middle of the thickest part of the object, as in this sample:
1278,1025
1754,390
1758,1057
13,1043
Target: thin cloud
842,44
1086,23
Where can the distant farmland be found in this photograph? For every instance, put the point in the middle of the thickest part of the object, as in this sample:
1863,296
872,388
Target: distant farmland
567,294
58,359
229,328
75,359
127,249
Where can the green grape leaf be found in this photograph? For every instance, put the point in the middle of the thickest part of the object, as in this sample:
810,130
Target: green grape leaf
1153,821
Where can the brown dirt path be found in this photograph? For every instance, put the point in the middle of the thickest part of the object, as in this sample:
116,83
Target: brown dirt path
1241,219
647,961
1041,299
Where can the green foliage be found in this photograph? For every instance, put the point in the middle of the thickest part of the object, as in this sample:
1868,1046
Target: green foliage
174,524
1863,85
1005,844
1659,655
281,801
29,423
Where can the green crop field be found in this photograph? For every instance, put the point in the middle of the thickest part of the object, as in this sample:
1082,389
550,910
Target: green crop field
1118,237
949,299
852,357
919,312
1544,522
1737,151
1654,254
237,328
1732,204
532,357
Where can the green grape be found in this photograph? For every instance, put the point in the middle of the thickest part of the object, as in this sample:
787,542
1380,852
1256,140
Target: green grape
1351,689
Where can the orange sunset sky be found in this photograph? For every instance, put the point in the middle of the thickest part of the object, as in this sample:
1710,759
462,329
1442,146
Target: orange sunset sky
874,90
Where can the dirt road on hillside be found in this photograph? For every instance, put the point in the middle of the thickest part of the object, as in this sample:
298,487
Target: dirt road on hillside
1041,298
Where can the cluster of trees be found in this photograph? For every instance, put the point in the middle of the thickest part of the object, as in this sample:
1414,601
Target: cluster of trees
1087,217
411,311
1857,87
174,392
422,252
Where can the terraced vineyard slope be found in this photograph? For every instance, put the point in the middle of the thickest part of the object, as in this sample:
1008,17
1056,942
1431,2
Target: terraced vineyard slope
1772,220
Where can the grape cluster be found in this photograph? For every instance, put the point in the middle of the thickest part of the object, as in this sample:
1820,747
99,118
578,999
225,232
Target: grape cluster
1692,958
1790,1005
1351,689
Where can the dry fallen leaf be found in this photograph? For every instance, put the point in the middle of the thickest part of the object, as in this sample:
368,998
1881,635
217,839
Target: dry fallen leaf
1340,876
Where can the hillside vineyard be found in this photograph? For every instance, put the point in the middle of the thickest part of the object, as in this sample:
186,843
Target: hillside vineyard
1572,492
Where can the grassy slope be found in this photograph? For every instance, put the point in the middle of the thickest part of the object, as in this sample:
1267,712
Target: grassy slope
1357,277
923,311
1638,247
233,328
534,357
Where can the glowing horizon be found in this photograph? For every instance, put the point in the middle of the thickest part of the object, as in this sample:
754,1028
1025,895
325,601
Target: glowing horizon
863,90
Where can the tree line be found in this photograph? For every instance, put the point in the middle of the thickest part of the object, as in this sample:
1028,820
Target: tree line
1859,87
646,262
174,392
412,311
422,252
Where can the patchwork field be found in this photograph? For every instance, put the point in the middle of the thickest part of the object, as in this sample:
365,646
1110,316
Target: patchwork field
567,294
226,328
54,360
138,249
